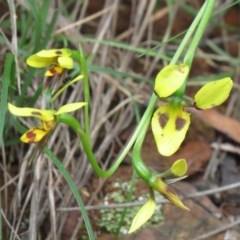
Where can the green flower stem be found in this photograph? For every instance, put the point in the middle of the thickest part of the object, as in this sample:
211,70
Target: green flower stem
199,24
74,189
75,125
188,35
79,57
189,56
208,9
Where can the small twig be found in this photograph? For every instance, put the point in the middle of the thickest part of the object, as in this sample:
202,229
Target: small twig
227,147
138,203
218,230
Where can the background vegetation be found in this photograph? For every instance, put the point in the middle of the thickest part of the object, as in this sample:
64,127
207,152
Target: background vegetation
126,44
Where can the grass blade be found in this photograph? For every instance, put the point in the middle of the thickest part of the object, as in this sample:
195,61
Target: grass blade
74,190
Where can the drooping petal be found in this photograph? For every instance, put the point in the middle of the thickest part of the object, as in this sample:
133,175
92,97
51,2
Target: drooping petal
213,93
39,62
65,62
143,215
34,135
169,127
44,115
179,167
170,79
70,107
167,192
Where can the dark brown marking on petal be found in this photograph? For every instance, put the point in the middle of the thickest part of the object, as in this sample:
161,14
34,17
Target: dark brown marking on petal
180,123
163,119
58,52
53,71
36,113
31,136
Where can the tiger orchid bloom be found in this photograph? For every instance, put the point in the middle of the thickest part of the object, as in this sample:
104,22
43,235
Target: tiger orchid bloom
47,117
58,60
171,121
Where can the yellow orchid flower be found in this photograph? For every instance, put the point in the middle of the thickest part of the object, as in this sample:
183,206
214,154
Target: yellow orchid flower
170,122
58,60
48,118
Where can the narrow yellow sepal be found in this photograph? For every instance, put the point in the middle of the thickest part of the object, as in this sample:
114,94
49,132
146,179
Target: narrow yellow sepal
70,107
167,192
213,93
169,127
179,167
44,115
143,215
170,79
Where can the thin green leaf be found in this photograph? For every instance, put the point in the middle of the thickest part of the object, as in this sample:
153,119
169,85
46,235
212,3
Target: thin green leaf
73,188
4,93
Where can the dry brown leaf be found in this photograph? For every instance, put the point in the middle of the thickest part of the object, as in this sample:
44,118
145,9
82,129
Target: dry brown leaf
222,123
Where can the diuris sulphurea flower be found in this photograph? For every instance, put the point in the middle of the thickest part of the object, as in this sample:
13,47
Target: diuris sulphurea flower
47,117
171,121
58,60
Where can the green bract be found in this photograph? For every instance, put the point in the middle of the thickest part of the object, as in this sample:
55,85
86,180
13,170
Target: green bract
170,79
213,93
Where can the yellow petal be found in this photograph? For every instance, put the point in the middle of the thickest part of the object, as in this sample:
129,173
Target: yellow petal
70,107
179,167
44,115
143,215
169,127
213,93
34,135
50,53
65,62
170,79
39,62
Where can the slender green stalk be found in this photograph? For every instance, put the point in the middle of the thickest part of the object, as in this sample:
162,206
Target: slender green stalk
3,107
188,35
4,93
208,9
189,56
75,125
74,190
86,92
